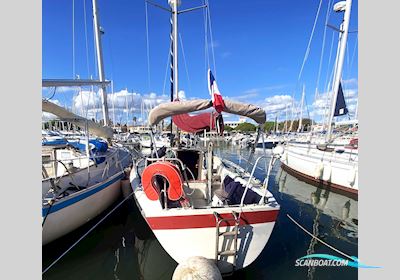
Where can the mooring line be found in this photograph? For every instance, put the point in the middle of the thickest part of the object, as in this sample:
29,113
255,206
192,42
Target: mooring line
83,236
323,242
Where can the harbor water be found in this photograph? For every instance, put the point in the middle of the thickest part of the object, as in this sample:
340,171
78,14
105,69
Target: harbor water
123,247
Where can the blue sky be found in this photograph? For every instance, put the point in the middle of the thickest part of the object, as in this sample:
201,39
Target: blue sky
259,49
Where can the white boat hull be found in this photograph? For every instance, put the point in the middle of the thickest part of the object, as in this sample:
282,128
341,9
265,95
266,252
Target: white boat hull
337,170
77,209
192,232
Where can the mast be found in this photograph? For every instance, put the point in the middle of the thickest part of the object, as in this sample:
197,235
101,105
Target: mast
301,109
174,35
113,102
100,65
344,29
126,104
174,57
286,119
292,115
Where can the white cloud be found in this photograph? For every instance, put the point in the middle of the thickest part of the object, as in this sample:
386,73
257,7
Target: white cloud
181,95
48,116
123,105
321,105
278,105
350,82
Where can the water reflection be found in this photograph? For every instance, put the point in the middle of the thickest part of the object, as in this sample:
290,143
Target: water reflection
342,210
153,261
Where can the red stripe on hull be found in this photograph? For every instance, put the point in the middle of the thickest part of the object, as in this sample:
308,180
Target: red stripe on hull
208,220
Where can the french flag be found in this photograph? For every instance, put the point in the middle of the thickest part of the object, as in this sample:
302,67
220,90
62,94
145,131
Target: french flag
216,96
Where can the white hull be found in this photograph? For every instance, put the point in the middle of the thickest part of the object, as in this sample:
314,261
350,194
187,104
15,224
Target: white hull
77,209
251,241
184,233
339,170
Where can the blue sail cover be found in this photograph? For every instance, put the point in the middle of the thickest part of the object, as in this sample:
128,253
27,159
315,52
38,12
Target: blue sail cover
54,142
96,147
340,107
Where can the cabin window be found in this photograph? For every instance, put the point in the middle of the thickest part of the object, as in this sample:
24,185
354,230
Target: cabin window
46,161
65,155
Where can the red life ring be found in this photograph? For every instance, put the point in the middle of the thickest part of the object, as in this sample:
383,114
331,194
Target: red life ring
167,170
354,142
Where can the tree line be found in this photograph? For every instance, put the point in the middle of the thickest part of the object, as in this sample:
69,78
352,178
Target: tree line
270,126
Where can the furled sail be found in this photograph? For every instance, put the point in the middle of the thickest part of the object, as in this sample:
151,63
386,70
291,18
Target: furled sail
340,107
94,128
170,109
246,110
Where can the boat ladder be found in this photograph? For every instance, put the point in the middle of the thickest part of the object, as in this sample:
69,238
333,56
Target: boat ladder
226,234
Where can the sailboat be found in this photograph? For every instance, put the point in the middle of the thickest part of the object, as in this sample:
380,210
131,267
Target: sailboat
81,177
197,203
328,159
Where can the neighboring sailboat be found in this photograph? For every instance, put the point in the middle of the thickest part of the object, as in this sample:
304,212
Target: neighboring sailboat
81,176
329,159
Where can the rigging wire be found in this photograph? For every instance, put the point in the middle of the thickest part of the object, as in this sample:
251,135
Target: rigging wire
52,95
328,96
304,62
166,70
81,93
86,38
87,104
93,97
211,38
354,52
309,41
329,63
113,101
206,54
73,39
147,47
322,48
184,60
347,59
